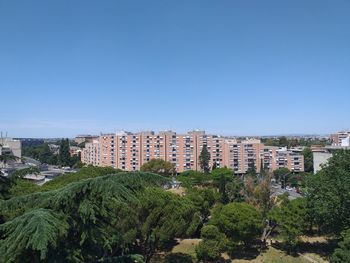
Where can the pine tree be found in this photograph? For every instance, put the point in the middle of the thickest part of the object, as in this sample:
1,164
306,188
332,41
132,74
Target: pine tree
64,154
204,159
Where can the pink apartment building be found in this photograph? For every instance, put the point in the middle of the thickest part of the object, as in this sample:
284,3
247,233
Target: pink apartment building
129,151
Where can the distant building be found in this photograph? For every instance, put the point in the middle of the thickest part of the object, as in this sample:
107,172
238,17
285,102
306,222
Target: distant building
84,138
341,138
280,157
74,150
129,151
9,146
322,154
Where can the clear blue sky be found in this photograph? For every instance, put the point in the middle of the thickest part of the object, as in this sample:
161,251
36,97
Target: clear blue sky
230,67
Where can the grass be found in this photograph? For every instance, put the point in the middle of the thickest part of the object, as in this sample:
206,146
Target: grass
186,246
273,255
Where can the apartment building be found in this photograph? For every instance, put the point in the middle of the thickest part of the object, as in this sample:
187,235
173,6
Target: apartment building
91,153
341,138
280,157
129,151
242,155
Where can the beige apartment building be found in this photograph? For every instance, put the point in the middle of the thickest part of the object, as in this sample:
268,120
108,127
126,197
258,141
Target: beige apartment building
129,151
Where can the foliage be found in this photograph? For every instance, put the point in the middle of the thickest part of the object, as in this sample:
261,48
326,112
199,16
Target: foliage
308,160
204,159
178,258
164,216
291,218
110,218
203,199
218,172
23,187
212,245
84,173
36,231
308,142
22,172
235,189
222,190
328,194
64,158
159,166
194,178
240,222
5,186
40,152
342,253
280,173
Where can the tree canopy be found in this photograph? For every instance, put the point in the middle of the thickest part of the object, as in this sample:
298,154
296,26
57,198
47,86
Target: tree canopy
159,166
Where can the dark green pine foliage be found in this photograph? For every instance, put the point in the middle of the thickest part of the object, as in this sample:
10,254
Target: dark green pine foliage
204,159
109,219
64,158
32,234
222,190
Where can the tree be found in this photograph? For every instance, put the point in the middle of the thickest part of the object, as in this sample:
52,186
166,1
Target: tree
103,214
308,160
64,158
164,216
204,159
159,166
342,253
222,190
280,173
292,220
5,186
235,189
178,258
212,245
283,141
203,200
5,158
28,238
240,222
328,194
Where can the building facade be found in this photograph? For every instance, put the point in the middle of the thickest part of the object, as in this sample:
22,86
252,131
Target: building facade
9,146
129,151
341,138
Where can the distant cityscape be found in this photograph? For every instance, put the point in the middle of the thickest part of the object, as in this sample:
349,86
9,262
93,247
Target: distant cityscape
129,151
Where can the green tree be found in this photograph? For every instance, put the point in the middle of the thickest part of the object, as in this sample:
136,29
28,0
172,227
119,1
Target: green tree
328,194
342,253
308,160
204,159
292,220
178,258
102,213
203,200
30,237
164,216
280,173
159,166
212,245
5,186
222,190
283,141
240,222
64,158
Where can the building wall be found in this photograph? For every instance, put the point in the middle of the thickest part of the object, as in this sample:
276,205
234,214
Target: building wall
129,151
320,158
11,146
